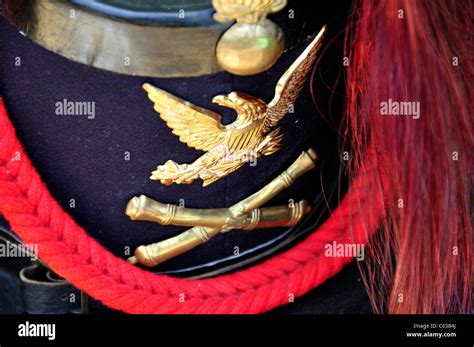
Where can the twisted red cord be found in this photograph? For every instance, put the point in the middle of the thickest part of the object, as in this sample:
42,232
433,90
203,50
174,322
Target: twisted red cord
37,218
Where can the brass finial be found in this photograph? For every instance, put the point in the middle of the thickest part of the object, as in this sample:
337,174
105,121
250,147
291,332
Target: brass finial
254,43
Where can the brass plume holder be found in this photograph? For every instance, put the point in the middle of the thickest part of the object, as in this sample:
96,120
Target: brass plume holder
246,215
254,43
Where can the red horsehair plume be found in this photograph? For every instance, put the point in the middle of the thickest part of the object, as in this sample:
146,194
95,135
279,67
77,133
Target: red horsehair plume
409,102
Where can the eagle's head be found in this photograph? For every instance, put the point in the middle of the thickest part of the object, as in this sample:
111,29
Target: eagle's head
243,104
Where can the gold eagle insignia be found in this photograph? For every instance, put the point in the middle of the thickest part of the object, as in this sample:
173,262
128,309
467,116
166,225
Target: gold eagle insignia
228,147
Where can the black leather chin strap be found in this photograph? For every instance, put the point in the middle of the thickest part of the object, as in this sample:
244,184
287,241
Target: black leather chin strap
30,287
43,293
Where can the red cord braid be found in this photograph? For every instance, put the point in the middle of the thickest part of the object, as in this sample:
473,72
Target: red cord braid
37,218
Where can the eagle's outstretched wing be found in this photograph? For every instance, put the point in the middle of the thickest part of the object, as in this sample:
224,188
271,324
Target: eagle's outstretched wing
197,127
290,84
